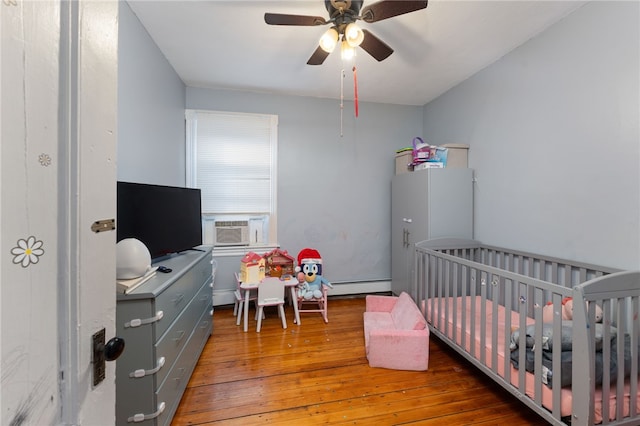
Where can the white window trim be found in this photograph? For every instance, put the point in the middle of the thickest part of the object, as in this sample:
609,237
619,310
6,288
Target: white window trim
191,153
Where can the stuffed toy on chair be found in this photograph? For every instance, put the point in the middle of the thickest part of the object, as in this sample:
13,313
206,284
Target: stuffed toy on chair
309,276
567,311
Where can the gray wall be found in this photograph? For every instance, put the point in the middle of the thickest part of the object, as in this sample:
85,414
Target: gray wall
151,102
334,192
553,130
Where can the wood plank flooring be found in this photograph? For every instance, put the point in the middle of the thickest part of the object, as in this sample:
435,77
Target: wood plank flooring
317,373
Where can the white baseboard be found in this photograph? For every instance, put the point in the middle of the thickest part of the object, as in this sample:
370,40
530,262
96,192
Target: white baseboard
223,297
226,297
364,287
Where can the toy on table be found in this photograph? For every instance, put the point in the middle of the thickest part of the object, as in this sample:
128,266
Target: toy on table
567,311
309,274
278,263
252,269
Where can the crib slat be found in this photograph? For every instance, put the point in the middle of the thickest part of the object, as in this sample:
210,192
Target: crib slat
622,330
606,359
451,271
493,281
442,276
472,315
522,343
483,316
508,306
567,277
556,300
538,302
635,346
466,294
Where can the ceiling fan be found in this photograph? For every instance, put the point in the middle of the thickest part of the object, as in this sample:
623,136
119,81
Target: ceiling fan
344,31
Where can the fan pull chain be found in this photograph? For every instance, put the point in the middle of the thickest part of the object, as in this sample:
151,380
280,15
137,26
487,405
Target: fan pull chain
355,89
342,75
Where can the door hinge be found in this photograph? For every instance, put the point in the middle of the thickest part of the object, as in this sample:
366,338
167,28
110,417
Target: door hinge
103,225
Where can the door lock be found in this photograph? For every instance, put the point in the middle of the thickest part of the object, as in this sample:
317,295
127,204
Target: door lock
104,352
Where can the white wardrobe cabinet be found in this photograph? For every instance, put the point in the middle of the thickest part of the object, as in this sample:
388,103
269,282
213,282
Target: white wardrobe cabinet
430,203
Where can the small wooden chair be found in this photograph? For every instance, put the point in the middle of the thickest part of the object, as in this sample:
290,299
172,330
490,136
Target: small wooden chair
240,296
315,305
271,293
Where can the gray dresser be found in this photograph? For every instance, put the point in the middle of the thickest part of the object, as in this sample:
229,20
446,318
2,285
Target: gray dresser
165,324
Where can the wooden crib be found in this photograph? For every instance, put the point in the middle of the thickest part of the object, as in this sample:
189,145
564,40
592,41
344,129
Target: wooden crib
487,303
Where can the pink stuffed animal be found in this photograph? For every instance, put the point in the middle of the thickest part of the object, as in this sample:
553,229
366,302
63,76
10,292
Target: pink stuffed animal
567,311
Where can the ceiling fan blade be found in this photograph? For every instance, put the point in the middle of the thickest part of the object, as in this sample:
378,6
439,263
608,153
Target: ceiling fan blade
375,47
318,57
389,8
299,20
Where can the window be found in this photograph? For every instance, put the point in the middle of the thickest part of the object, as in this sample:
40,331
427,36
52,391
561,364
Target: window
232,158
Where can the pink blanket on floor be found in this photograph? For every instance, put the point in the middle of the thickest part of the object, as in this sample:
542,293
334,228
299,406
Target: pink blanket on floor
502,343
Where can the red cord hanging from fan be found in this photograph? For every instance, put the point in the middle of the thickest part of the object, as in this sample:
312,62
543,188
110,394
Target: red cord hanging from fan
355,89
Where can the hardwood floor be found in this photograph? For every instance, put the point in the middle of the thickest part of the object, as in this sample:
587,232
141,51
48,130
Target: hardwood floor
317,373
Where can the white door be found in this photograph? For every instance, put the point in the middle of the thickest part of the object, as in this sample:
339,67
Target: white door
58,76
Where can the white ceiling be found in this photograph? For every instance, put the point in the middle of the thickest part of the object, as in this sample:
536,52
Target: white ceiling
227,45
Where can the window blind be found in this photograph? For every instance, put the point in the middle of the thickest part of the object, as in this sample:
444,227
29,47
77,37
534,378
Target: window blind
233,161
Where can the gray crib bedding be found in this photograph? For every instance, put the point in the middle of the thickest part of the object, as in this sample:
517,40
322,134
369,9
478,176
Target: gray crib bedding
566,355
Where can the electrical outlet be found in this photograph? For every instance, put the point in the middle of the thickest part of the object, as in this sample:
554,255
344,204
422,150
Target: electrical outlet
99,368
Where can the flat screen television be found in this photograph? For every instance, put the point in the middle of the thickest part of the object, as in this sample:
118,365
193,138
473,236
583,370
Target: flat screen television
167,219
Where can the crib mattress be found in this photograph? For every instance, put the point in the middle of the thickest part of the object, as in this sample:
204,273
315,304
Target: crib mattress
502,342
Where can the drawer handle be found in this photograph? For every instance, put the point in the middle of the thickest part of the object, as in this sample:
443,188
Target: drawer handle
140,417
142,372
138,322
205,324
178,299
180,335
182,372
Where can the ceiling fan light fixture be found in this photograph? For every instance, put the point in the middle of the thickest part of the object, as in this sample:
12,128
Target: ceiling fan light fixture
329,40
353,35
347,52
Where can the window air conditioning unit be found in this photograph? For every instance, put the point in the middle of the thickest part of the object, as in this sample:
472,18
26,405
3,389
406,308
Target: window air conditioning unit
232,232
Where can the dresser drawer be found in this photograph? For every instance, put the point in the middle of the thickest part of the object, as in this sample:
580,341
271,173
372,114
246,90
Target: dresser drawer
172,342
176,381
174,299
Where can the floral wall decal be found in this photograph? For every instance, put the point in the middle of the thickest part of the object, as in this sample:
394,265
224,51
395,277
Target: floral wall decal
27,251
44,159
